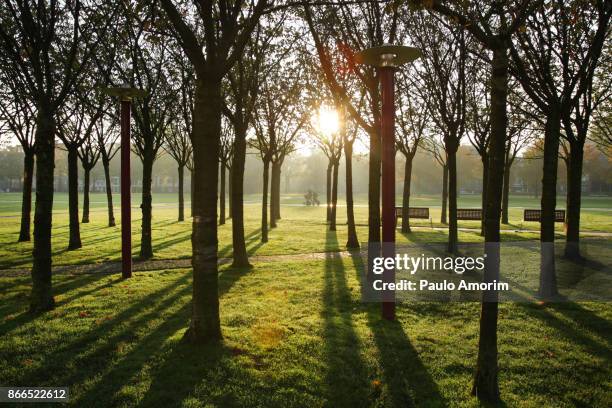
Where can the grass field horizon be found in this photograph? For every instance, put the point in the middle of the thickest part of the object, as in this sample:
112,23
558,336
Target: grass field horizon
302,229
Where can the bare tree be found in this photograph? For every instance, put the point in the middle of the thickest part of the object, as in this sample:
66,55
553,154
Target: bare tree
331,144
519,137
178,145
338,32
46,59
226,153
89,153
213,36
554,58
350,133
479,121
146,65
75,125
19,116
443,74
435,147
492,24
278,121
242,92
412,120
107,138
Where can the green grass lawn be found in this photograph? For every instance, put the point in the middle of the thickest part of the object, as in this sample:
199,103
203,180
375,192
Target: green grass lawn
295,334
302,229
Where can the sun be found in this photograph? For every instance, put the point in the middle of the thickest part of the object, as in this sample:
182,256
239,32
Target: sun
327,120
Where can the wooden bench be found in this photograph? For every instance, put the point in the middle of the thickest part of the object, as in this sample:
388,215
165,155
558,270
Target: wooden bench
413,212
469,214
536,215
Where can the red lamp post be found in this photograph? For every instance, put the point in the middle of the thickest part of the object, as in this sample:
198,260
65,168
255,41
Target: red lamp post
125,94
387,58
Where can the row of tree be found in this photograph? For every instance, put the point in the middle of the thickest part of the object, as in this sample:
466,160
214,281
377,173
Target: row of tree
220,76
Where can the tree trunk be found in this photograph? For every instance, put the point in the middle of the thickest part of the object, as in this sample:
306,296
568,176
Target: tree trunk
328,189
374,168
574,194
353,241
26,200
109,191
486,386
222,194
406,195
191,189
181,200
506,192
73,197
229,193
277,173
146,248
444,193
452,200
548,278
86,173
264,202
41,296
205,324
334,199
273,194
485,176
241,258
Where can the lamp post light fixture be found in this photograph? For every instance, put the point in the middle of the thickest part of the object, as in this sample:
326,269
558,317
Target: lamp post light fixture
125,94
387,58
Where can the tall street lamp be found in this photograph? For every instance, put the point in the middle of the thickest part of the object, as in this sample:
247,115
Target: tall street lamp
125,94
387,58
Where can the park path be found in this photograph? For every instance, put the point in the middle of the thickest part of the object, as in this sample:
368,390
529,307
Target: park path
112,267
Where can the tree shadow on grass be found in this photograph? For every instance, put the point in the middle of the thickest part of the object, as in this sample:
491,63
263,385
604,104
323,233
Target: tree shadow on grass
405,379
96,347
585,317
168,241
177,367
601,326
346,380
226,250
21,300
